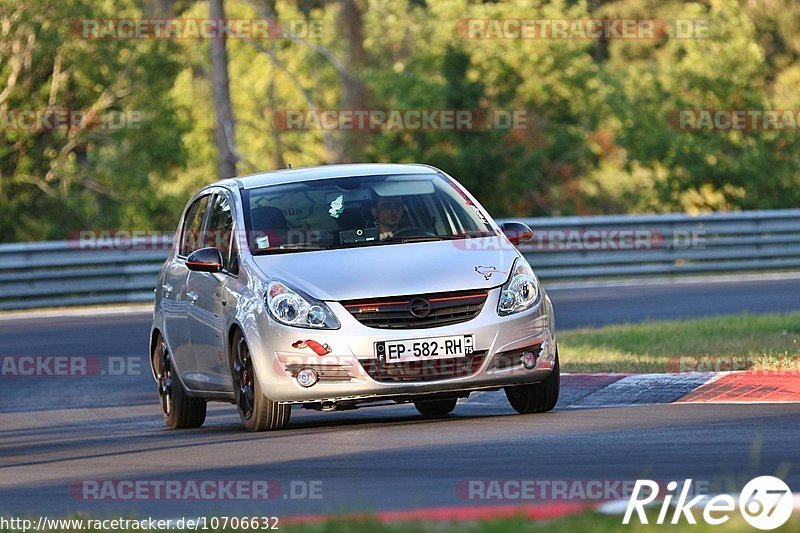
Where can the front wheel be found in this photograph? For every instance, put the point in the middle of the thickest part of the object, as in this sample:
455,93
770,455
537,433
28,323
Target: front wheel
536,397
178,408
257,412
435,408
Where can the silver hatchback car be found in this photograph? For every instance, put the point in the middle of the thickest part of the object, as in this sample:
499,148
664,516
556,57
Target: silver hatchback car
341,286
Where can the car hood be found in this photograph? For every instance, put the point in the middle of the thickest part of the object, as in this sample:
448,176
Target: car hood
395,269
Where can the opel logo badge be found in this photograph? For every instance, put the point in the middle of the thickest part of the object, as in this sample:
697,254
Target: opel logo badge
420,307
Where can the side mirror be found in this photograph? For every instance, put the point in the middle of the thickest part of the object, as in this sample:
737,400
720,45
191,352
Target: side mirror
205,260
517,232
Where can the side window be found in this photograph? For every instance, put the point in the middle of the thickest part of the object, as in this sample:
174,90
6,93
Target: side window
193,225
233,263
220,229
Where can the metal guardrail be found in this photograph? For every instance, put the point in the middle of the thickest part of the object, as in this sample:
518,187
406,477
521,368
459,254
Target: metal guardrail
674,245
64,273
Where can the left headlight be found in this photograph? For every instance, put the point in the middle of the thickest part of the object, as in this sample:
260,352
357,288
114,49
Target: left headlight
520,292
293,308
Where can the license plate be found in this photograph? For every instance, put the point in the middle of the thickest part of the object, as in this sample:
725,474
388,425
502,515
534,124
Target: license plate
424,349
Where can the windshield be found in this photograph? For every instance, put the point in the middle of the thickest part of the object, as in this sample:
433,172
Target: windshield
359,211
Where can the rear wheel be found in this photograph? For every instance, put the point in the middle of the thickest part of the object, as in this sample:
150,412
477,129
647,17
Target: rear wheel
536,397
257,412
435,408
178,408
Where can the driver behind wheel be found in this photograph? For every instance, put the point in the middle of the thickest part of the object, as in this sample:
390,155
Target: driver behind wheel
388,213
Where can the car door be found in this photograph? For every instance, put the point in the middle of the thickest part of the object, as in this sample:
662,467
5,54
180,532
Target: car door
207,313
176,300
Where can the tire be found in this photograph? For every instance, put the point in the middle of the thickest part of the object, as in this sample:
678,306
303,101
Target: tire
256,410
435,408
180,411
536,397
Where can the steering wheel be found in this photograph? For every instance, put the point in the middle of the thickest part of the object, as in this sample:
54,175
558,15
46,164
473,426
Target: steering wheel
413,231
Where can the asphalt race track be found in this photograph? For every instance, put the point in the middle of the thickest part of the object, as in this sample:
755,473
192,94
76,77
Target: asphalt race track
55,432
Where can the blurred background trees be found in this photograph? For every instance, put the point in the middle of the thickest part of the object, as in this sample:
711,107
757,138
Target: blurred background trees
598,138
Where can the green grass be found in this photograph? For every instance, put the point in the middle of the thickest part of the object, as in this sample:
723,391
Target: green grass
589,522
730,342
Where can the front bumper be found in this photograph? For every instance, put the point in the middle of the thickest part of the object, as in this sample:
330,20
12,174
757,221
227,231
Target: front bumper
344,358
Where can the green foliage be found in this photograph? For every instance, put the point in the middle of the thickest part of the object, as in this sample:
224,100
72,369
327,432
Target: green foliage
707,170
53,181
598,137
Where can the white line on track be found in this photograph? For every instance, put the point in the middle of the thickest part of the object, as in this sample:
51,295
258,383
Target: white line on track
144,309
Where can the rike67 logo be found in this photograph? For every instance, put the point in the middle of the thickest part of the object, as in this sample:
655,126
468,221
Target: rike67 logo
765,503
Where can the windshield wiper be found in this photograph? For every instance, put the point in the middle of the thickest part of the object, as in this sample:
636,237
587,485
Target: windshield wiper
302,246
294,247
414,238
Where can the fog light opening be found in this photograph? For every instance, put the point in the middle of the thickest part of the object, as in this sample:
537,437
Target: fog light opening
307,377
528,360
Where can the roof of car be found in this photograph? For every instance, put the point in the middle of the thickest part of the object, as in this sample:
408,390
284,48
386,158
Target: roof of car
291,175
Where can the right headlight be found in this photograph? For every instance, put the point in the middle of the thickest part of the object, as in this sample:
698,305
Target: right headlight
520,292
289,306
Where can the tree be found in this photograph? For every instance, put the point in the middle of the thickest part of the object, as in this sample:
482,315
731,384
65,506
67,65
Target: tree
99,173
224,133
354,94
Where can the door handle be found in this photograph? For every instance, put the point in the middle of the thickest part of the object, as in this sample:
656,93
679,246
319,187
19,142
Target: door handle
167,289
192,297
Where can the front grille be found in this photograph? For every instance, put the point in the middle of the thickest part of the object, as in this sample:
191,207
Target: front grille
444,308
455,367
